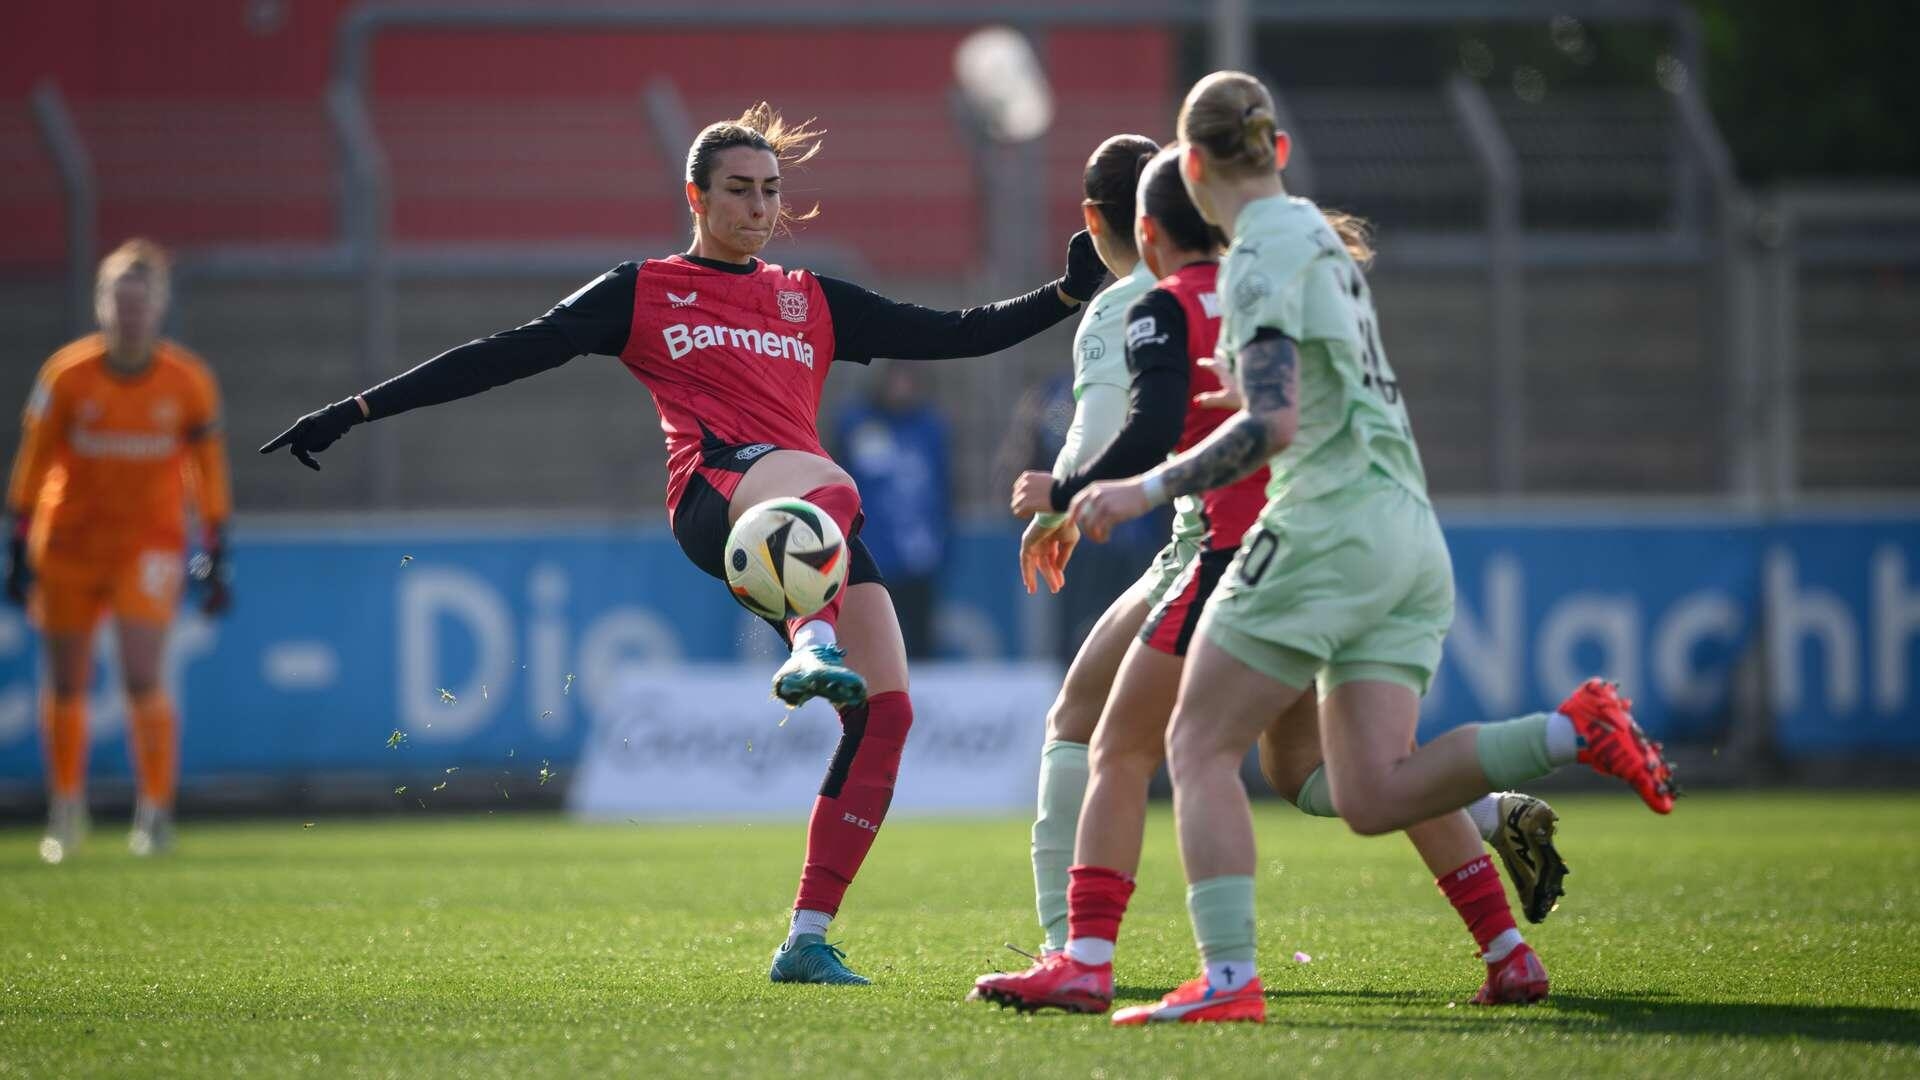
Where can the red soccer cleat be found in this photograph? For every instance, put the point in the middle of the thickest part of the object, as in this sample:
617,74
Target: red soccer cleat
1616,746
1196,1002
1520,979
1055,981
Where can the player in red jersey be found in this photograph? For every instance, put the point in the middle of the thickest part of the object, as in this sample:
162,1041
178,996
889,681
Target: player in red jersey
735,351
1177,401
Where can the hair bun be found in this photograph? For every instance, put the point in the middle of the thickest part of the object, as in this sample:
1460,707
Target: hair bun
1257,131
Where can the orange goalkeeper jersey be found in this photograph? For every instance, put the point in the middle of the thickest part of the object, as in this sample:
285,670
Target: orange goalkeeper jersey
107,460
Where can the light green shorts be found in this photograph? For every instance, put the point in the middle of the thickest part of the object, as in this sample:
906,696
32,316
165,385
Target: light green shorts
1167,567
1352,585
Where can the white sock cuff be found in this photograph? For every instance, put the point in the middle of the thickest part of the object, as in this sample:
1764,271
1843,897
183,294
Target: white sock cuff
817,632
1229,975
1090,950
1499,948
808,922
1563,740
1485,812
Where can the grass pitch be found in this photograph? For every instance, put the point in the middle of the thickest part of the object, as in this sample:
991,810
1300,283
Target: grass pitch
1746,935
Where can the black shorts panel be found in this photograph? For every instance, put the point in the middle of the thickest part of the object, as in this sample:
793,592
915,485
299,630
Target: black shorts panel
700,525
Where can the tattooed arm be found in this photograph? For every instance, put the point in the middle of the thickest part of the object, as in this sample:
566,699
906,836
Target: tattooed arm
1270,382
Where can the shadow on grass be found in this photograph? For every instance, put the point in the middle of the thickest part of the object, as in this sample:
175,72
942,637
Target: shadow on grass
1639,1013
1666,1014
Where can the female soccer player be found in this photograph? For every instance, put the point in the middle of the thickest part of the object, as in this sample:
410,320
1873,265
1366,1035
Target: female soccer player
1345,582
121,425
735,351
1170,336
1100,388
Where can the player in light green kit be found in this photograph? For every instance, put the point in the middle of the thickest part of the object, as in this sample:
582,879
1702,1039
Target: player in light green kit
1101,385
1345,583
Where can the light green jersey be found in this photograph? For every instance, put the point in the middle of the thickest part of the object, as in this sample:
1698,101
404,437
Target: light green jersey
1289,271
1099,345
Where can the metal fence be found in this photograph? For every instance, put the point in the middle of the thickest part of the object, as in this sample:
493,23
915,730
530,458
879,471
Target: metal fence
1626,321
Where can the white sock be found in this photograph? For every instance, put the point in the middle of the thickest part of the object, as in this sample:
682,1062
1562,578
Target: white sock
1498,949
1563,741
1229,974
817,632
808,922
1485,812
1090,950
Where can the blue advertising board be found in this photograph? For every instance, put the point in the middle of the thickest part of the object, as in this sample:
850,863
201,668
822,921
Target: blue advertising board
480,640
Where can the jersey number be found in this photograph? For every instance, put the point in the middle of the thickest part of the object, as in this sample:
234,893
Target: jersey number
1258,557
1371,374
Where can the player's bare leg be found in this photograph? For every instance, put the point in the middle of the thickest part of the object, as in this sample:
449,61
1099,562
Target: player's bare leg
1519,827
858,788
153,736
64,740
1071,721
1223,707
1127,749
1592,726
1128,745
817,666
1367,728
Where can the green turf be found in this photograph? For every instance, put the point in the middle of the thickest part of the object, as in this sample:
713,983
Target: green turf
1744,936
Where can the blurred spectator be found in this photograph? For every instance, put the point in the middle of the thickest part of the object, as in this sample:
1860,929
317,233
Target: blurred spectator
895,447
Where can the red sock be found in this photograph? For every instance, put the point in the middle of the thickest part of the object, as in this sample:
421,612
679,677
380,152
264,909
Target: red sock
1096,900
1476,893
842,504
854,799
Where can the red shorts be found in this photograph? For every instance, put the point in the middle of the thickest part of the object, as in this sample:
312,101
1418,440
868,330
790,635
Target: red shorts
1169,626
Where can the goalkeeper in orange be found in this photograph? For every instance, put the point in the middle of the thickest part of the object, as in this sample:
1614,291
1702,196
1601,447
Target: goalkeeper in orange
120,427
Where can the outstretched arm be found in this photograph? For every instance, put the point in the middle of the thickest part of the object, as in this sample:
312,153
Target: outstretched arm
596,319
868,326
1161,380
1270,382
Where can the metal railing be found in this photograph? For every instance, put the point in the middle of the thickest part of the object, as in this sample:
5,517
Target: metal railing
1756,358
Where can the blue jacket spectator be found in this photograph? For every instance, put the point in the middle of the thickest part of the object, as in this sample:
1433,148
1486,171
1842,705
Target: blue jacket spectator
895,447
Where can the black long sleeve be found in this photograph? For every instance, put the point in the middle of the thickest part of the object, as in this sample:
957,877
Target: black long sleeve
868,326
596,319
1157,395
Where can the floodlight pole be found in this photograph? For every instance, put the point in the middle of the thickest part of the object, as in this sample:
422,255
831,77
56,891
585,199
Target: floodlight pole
1230,36
70,157
367,210
1506,297
1735,292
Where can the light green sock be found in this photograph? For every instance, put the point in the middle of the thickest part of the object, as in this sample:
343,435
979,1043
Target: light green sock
1314,797
1222,910
1063,785
1513,752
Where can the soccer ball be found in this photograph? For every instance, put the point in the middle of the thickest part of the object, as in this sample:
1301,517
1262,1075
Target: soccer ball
786,559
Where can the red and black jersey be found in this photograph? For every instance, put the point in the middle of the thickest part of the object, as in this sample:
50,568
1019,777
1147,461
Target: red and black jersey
735,354
1230,511
730,359
1170,329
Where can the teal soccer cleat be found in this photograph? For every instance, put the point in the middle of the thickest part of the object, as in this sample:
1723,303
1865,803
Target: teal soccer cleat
819,671
809,959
